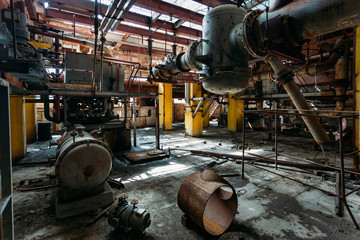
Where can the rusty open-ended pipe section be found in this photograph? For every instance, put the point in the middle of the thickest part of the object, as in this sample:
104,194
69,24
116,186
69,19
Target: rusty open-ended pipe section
209,200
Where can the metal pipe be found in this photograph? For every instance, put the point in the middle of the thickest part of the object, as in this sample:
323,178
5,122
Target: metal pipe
341,81
243,148
314,18
207,108
55,118
157,124
125,111
134,120
286,78
96,30
101,64
198,107
276,143
13,28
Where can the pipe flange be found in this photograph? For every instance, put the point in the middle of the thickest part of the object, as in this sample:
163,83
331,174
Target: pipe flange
247,35
192,53
285,76
178,62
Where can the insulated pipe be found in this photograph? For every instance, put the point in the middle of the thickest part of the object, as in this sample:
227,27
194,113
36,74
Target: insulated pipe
81,42
313,18
286,78
341,82
56,119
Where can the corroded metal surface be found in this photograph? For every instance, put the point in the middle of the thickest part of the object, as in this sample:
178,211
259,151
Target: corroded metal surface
208,200
82,161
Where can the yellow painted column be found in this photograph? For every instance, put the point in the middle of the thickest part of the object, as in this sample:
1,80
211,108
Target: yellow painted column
165,106
193,125
357,94
206,118
31,123
18,126
235,114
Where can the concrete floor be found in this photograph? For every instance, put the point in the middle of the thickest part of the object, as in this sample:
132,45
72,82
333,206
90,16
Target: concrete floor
270,207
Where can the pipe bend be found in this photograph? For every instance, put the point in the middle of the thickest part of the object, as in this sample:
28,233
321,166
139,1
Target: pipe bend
56,119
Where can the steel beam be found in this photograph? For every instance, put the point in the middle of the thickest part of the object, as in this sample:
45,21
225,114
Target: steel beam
163,25
121,28
171,10
31,9
85,8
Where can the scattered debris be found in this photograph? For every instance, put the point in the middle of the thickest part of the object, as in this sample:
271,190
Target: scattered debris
215,195
213,163
38,188
115,184
241,192
97,217
145,156
229,174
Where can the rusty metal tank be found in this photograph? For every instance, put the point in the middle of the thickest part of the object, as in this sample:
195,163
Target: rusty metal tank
225,70
83,162
209,200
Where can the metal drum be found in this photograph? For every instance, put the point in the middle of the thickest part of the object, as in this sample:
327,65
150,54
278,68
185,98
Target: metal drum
83,162
209,200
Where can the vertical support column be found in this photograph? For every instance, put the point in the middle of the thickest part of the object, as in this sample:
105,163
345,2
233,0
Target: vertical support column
193,124
6,201
157,124
18,126
357,95
206,116
165,106
134,120
235,114
30,112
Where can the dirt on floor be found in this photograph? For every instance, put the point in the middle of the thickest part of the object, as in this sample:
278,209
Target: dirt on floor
269,206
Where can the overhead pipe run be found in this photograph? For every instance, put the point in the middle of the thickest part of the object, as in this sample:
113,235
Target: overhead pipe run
230,35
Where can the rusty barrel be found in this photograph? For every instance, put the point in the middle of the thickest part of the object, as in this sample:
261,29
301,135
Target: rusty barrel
209,200
83,162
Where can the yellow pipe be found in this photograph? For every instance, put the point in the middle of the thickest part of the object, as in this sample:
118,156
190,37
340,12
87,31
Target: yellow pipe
165,106
206,118
357,94
235,114
31,131
193,125
18,126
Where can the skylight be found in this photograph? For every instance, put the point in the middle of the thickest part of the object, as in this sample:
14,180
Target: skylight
191,5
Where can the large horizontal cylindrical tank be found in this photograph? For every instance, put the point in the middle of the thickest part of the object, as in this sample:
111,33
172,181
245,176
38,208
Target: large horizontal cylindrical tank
83,162
225,68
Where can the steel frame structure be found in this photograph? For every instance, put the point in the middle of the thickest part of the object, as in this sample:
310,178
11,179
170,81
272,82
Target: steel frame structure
340,193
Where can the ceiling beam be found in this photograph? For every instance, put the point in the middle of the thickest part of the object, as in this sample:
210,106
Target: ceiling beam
86,8
163,25
31,9
171,10
121,28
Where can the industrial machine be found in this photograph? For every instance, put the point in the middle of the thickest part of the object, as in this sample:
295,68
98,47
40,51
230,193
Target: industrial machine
80,92
232,39
128,216
83,164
